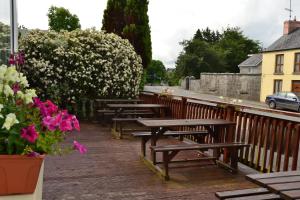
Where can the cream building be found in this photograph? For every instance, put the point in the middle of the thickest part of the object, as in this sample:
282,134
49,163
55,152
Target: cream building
281,62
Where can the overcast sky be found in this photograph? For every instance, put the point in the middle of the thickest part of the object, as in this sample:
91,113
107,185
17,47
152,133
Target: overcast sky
172,21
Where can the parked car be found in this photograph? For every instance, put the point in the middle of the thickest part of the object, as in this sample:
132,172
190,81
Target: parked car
287,100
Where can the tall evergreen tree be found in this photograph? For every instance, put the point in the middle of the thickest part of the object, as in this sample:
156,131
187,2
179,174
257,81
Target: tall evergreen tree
134,25
113,18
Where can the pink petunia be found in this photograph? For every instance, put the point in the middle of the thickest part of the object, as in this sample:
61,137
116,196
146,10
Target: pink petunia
16,88
52,122
81,148
29,134
75,123
51,107
66,125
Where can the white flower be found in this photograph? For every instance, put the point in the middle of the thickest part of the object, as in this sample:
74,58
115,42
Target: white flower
29,94
1,106
11,74
8,91
10,120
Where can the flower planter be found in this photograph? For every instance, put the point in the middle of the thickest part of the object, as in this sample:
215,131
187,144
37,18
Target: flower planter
19,174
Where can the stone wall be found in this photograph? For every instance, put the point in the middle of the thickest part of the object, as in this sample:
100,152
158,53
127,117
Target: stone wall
241,86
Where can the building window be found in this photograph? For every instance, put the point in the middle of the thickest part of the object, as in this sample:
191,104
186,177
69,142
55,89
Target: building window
277,86
279,63
297,63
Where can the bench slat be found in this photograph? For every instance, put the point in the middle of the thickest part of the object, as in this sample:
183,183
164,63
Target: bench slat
273,175
241,193
196,146
291,194
170,133
269,196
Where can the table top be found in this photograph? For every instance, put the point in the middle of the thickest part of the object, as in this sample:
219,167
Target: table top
136,106
119,100
287,184
183,122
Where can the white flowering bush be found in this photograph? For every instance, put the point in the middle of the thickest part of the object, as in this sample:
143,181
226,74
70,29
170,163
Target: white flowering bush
81,63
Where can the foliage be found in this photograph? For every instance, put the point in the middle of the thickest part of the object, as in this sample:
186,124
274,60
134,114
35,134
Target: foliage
81,64
61,19
113,17
172,78
4,43
156,72
199,56
27,125
237,47
132,23
212,51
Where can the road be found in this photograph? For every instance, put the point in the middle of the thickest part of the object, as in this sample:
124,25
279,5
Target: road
257,106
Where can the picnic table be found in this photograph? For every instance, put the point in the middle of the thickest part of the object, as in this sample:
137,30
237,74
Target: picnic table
130,113
103,110
213,127
286,184
119,109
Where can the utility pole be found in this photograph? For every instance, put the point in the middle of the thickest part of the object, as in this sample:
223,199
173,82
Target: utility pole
13,27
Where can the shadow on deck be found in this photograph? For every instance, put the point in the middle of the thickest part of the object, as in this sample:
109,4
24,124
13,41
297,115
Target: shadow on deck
112,170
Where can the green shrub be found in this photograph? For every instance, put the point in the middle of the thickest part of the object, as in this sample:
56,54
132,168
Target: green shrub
81,64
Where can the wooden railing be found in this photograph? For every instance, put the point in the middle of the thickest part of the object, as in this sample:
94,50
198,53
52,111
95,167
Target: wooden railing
274,140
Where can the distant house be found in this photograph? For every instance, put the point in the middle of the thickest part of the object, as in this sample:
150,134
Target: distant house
281,62
251,65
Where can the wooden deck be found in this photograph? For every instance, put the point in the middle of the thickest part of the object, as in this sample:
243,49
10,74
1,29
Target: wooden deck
112,170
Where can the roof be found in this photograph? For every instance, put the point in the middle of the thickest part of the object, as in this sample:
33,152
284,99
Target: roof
286,42
252,61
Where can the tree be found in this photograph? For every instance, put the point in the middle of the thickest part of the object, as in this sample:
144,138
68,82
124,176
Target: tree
61,19
198,56
133,25
156,72
113,18
237,47
208,35
212,51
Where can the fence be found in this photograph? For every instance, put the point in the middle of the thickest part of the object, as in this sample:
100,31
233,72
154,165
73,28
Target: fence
274,140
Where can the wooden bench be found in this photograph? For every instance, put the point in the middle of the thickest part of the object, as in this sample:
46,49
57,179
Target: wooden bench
117,126
145,136
248,194
170,151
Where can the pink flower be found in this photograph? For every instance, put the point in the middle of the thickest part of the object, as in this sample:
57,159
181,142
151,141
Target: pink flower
75,123
12,59
81,148
29,134
16,88
33,154
37,102
52,122
51,107
66,125
46,108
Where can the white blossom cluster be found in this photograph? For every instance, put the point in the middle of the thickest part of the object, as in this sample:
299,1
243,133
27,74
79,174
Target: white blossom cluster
81,63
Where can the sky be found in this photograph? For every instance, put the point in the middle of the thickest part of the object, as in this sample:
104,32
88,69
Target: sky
173,21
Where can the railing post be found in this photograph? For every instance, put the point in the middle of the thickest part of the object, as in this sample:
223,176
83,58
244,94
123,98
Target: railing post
229,115
183,107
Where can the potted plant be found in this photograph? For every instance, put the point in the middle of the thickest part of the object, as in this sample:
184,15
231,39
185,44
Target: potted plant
29,130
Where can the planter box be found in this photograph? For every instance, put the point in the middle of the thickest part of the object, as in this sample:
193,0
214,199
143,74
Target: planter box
20,175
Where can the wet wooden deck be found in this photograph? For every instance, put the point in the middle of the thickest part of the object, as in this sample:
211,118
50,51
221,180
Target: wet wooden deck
112,170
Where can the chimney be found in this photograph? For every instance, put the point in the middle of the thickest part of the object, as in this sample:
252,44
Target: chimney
290,26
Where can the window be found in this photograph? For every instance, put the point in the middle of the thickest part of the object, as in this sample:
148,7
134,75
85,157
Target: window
279,63
297,63
281,94
277,86
291,95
